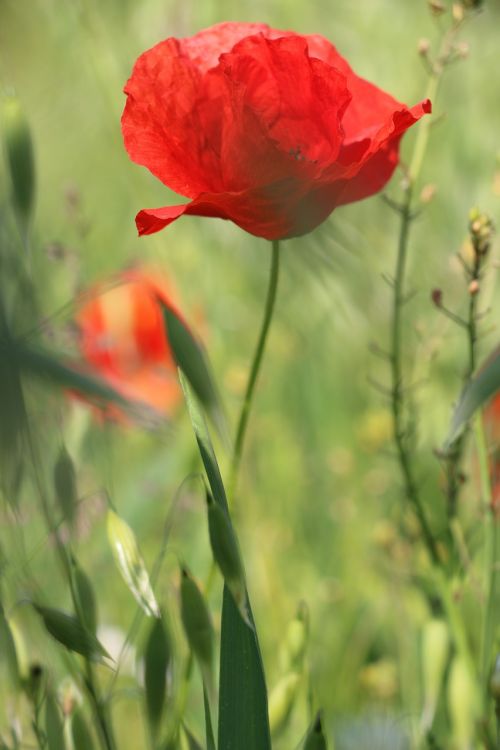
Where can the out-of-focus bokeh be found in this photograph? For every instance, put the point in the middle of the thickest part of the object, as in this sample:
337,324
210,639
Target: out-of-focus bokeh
319,497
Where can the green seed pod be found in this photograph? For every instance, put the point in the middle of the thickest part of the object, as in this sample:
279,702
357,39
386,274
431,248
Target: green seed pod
65,486
462,703
157,656
435,649
296,638
196,620
80,732
281,701
495,680
130,563
226,553
68,630
316,738
87,606
19,156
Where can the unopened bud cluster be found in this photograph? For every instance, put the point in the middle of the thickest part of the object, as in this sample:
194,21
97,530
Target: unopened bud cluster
481,230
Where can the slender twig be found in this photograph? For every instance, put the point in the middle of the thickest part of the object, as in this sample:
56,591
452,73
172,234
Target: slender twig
255,369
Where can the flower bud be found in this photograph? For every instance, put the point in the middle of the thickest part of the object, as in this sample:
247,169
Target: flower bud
19,156
462,703
457,11
196,620
437,297
463,50
281,701
226,554
435,648
481,230
474,287
423,47
427,194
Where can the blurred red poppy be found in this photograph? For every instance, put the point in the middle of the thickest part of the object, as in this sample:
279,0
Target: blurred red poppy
269,129
123,340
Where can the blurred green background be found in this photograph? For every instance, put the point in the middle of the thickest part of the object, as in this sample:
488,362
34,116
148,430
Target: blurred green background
320,496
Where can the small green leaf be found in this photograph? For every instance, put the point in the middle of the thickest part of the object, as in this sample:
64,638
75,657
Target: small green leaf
316,738
476,393
192,360
157,657
69,631
80,732
53,724
130,563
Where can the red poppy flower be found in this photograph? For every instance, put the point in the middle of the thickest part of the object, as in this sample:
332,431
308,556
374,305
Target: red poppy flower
122,338
269,129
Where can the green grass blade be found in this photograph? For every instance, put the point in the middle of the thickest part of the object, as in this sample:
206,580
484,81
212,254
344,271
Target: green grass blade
475,394
209,732
243,715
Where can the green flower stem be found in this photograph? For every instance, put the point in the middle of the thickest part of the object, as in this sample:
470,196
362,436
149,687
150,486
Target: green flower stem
254,372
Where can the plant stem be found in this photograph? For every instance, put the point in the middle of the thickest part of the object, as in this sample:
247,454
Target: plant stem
397,401
255,369
454,459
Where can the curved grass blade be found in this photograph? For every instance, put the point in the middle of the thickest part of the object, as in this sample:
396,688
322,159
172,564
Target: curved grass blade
53,724
192,360
209,732
157,657
316,738
476,393
243,713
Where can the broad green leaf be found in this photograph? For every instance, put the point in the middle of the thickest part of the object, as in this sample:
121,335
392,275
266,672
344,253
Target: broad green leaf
69,631
130,563
192,360
157,657
316,738
243,717
476,393
53,724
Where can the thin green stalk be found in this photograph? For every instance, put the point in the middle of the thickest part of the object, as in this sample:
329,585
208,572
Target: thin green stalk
255,369
454,460
397,401
405,211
